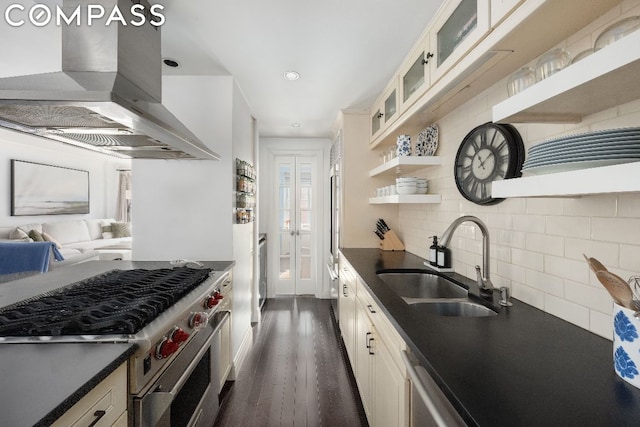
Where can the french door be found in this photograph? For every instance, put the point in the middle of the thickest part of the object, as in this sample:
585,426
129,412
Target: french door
297,224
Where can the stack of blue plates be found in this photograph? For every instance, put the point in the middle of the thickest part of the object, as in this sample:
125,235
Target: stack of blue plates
586,150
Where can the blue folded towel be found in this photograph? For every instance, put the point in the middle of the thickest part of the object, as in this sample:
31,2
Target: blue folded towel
18,257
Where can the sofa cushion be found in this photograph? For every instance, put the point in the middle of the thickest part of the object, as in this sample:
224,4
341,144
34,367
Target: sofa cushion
48,238
121,229
28,227
36,236
19,234
67,231
99,243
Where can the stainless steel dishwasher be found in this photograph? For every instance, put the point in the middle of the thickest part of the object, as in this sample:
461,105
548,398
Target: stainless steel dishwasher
429,406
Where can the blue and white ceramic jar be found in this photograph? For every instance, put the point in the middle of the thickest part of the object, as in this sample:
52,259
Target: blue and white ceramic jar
626,344
403,145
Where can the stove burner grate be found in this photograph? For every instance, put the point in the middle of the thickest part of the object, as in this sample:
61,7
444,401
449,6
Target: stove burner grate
116,302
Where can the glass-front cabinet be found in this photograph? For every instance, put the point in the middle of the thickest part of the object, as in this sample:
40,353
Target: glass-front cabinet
459,26
415,74
385,110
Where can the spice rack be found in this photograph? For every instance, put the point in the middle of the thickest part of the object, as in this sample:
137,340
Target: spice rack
245,192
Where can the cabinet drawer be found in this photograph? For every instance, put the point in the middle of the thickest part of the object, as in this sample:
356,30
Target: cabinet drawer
386,332
109,396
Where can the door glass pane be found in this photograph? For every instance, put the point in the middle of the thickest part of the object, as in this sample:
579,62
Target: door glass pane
390,106
375,122
285,256
305,256
414,78
284,219
461,22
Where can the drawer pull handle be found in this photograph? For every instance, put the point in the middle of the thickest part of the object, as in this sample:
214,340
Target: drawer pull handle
370,307
98,415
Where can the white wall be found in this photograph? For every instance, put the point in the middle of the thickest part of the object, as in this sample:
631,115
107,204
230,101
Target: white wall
103,174
182,209
244,299
537,243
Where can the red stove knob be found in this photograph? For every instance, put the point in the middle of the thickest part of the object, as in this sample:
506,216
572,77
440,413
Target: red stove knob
179,336
166,348
217,295
211,301
198,320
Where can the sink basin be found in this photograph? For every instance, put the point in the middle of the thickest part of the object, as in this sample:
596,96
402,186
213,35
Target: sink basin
455,308
421,285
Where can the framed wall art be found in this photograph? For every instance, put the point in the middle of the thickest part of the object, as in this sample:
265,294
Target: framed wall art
39,189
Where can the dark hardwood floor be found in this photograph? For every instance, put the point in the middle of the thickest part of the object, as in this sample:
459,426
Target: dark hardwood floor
296,374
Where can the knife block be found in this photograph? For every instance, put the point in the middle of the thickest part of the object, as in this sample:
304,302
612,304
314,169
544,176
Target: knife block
391,242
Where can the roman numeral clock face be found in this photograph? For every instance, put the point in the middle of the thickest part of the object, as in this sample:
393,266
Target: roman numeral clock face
488,153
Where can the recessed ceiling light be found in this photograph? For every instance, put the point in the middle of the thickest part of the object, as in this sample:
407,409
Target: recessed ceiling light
291,75
295,125
170,62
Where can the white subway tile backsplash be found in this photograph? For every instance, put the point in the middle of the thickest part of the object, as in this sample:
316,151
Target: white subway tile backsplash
588,296
529,223
606,253
545,282
528,259
618,230
596,205
569,311
601,324
545,244
630,258
544,206
629,205
529,295
568,226
566,268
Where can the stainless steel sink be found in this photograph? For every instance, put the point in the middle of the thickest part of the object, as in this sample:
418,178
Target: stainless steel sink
420,285
455,308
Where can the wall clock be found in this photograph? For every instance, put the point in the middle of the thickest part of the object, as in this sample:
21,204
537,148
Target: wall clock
488,153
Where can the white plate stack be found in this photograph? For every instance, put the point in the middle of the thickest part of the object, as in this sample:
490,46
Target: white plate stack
411,185
586,150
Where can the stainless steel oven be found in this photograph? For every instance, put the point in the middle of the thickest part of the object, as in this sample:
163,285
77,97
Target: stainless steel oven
186,394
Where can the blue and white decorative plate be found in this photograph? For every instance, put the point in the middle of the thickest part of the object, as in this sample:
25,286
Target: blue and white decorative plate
427,141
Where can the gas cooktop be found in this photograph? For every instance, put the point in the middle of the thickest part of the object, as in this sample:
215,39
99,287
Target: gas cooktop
115,302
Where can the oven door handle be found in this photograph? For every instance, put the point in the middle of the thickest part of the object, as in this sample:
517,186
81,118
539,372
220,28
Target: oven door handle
219,319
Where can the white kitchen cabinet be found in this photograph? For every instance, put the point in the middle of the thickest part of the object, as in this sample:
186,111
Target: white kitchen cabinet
347,308
458,26
365,338
379,371
104,405
500,9
415,73
386,110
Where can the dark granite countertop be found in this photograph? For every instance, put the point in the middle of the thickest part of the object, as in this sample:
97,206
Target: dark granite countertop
523,367
40,382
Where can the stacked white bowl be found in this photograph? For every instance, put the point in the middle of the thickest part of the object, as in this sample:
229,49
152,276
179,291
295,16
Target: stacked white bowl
406,185
421,186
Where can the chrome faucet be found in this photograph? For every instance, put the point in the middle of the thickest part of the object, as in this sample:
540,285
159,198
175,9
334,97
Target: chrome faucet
483,280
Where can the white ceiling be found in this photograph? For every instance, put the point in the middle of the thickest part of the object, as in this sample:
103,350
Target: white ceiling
345,51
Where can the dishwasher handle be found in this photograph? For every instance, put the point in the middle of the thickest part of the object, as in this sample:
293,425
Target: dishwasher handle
438,406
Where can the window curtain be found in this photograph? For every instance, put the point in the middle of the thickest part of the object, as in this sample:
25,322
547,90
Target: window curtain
124,197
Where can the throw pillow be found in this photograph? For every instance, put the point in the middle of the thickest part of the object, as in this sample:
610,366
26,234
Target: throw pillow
48,238
107,232
18,234
36,236
121,229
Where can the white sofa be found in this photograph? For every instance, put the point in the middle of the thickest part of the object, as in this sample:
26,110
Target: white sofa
77,240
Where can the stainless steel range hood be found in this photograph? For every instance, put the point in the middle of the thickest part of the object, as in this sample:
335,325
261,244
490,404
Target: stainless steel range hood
106,97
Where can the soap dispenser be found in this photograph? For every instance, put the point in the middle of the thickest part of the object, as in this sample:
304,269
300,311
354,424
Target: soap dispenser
443,257
433,252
